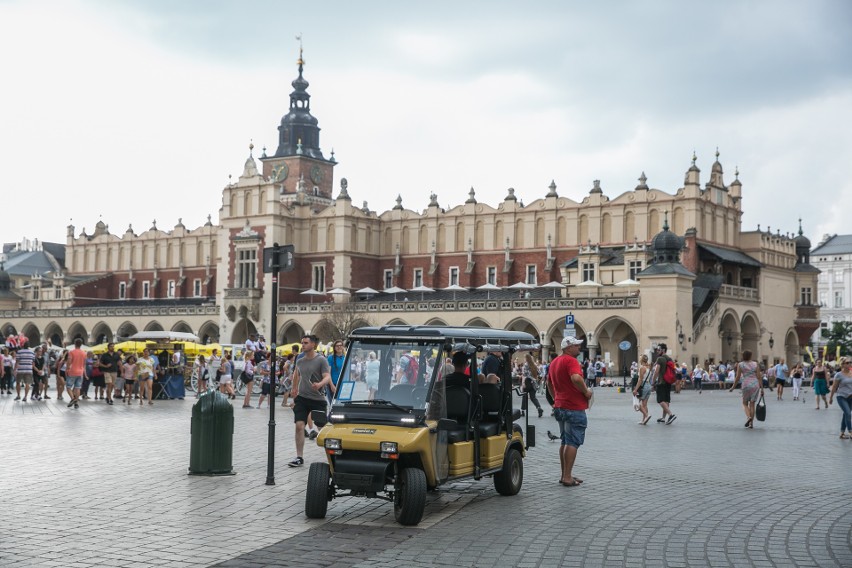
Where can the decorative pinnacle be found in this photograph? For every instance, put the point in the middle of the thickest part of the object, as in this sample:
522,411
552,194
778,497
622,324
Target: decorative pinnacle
737,173
642,178
666,221
800,227
717,153
251,146
694,157
552,188
301,60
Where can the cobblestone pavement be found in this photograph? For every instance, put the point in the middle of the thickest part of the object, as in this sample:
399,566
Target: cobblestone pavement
107,486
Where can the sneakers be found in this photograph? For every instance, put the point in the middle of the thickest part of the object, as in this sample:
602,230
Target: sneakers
247,406
72,403
671,419
76,405
540,412
661,420
313,434
297,462
18,397
46,397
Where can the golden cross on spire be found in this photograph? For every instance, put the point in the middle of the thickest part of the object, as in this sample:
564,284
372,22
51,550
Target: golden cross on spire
299,39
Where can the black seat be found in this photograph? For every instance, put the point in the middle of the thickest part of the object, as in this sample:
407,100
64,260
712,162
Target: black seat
458,405
492,398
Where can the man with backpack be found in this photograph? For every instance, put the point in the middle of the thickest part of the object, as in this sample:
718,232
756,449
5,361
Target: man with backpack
663,377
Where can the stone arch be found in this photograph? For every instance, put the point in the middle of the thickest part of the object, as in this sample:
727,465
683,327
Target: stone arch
9,329
77,331
523,324
498,235
242,329
154,326
330,237
368,239
606,228
654,225
182,327
460,236
556,331
387,245
326,331
561,231
477,322
247,203
479,236
791,347
729,335
436,321
208,332
630,227
518,243
101,333
125,330
314,236
583,230
353,237
442,237
290,332
609,334
750,330
54,334
677,221
234,211
398,321
31,331
405,243
261,202
423,240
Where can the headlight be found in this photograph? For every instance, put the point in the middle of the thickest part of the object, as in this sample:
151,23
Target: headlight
332,443
337,417
389,448
409,420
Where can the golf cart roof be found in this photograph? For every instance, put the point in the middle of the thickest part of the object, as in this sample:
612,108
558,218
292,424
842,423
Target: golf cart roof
446,334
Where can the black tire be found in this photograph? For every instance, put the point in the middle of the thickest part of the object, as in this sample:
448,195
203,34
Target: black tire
318,491
509,480
410,497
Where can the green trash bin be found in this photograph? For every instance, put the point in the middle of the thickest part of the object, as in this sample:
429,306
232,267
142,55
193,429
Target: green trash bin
211,435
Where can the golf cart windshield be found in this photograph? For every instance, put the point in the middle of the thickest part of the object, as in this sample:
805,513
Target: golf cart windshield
396,373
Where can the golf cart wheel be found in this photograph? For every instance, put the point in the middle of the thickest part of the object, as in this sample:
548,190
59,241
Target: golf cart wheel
257,386
410,497
509,480
318,492
193,383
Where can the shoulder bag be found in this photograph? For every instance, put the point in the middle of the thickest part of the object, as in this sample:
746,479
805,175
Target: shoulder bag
760,409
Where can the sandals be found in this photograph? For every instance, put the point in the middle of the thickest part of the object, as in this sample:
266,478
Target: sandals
647,419
843,435
574,483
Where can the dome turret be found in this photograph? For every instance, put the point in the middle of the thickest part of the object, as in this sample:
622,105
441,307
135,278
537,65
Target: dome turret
299,130
665,245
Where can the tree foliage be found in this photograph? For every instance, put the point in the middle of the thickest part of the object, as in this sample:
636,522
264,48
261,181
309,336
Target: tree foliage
840,334
342,319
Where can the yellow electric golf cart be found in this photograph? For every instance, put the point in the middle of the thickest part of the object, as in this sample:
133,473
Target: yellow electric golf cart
401,424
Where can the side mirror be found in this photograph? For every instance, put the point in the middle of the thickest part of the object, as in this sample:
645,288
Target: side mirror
319,417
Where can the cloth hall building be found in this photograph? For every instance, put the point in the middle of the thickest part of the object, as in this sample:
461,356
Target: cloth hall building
637,268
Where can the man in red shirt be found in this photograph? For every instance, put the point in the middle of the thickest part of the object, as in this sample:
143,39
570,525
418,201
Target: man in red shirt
570,401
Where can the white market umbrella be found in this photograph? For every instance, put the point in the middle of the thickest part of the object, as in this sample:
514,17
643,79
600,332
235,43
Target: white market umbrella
589,284
394,290
422,289
311,292
367,291
455,288
628,282
554,286
521,286
338,291
488,287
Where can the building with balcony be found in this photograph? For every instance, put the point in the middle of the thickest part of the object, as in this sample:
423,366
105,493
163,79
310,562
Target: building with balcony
634,268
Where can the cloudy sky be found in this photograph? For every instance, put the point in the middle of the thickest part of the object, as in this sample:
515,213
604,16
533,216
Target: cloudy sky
132,111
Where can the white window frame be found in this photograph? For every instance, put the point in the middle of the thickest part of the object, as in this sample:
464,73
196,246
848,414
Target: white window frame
146,290
453,276
122,290
587,272
246,269
387,278
196,287
634,268
417,277
838,276
491,275
531,275
806,296
838,299
318,276
36,292
57,292
171,289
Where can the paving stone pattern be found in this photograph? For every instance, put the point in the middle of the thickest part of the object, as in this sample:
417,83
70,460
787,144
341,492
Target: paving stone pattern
107,486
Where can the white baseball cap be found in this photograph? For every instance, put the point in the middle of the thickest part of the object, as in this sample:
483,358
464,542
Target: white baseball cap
571,340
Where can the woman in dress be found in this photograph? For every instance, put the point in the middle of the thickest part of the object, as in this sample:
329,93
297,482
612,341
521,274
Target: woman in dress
749,373
797,374
643,389
145,375
128,373
820,382
372,374
199,372
842,388
247,377
226,381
